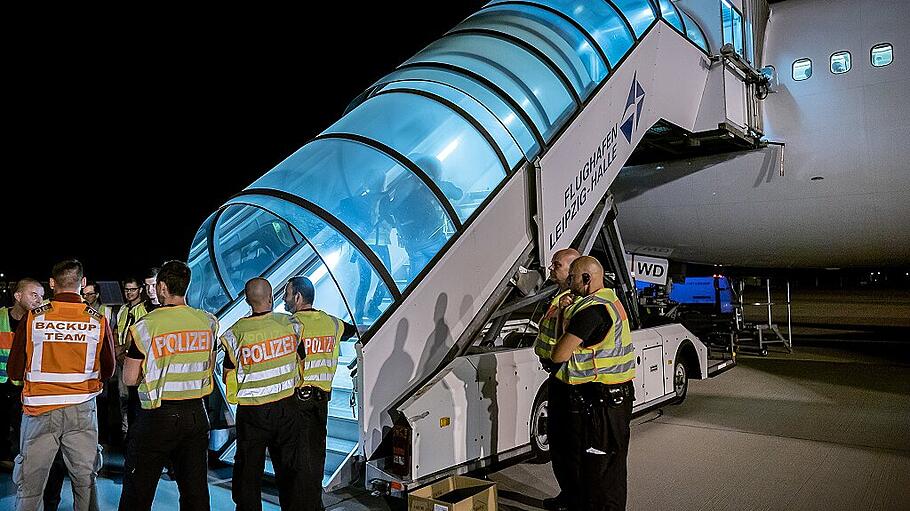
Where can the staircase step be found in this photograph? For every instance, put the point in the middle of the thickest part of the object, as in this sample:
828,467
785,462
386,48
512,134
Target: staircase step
339,445
343,428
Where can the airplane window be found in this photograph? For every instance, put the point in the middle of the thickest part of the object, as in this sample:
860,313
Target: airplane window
882,54
840,62
802,69
732,26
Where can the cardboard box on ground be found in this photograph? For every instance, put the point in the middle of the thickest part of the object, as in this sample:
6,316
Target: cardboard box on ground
455,493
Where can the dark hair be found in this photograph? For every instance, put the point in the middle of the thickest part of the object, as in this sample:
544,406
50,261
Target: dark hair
302,285
152,273
134,280
93,284
176,275
67,274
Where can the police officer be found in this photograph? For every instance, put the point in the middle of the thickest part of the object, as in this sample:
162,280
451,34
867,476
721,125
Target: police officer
62,352
557,400
170,358
321,334
262,361
599,365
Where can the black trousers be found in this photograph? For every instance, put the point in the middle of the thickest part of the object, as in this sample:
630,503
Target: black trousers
176,433
10,418
278,426
599,438
314,407
559,436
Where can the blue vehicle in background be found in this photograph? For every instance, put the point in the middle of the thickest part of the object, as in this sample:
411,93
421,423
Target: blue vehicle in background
706,305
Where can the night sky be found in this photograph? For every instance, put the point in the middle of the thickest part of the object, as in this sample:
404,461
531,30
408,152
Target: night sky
123,137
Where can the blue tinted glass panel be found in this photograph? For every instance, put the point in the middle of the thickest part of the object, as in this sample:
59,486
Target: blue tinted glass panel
694,33
601,21
205,291
732,26
436,139
638,12
520,74
539,35
580,53
669,13
882,55
513,122
339,264
475,110
249,240
385,204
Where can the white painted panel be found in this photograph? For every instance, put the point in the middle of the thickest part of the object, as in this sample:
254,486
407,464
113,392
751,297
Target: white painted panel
652,369
735,99
411,344
664,78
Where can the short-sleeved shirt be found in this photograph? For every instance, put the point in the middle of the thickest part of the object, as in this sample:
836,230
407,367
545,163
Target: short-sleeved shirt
590,325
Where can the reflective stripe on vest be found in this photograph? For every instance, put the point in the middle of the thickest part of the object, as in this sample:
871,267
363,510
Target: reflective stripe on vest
177,343
127,317
549,329
610,361
264,352
6,342
63,356
321,335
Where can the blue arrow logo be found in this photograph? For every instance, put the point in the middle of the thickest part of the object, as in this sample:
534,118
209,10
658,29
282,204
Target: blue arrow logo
631,115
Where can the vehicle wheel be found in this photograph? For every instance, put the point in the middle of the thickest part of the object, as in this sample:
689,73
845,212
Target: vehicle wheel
680,380
540,444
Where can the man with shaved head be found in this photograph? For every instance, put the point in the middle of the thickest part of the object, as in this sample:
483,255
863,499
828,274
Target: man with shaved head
263,353
550,328
29,293
598,364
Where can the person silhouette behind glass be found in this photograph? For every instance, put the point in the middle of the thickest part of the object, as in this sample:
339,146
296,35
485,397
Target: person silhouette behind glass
361,212
412,209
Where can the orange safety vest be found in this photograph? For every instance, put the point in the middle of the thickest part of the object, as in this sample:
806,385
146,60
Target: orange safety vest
63,356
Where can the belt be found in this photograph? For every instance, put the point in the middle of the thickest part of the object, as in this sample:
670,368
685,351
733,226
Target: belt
309,392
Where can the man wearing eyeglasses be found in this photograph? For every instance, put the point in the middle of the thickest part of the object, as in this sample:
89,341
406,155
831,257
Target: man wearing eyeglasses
91,295
129,313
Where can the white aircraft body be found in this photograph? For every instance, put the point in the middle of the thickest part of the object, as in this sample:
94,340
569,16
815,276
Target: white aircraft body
836,193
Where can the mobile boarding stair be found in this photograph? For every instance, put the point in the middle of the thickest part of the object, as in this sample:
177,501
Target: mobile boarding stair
481,155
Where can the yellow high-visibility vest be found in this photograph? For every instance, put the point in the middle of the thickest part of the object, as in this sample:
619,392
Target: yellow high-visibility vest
320,334
6,342
264,352
126,317
610,361
549,329
177,342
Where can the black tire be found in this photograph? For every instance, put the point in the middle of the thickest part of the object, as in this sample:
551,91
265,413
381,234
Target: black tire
540,445
680,380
